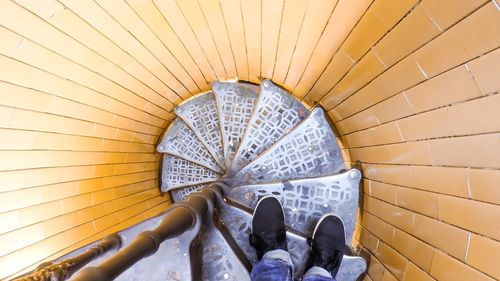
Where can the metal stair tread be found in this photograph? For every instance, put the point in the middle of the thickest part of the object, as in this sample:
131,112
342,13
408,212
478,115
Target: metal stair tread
235,103
201,115
306,200
179,194
179,140
238,223
309,150
219,261
178,172
275,114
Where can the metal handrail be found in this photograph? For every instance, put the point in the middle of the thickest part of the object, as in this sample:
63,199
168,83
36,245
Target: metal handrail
63,270
180,218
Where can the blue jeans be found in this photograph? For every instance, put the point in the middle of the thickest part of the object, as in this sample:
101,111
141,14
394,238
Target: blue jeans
276,265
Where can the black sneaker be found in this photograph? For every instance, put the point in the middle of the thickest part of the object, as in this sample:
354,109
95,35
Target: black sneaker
328,243
268,226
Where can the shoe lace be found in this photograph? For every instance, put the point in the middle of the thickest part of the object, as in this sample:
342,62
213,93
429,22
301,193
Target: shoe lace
328,261
262,246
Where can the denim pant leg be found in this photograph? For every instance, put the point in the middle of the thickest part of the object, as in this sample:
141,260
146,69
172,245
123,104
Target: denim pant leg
274,266
317,278
317,274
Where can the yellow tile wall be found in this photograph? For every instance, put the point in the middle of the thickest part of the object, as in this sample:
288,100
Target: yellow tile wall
425,138
83,102
412,86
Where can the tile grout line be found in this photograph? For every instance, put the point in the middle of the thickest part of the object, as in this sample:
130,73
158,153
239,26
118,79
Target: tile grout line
497,4
467,248
470,72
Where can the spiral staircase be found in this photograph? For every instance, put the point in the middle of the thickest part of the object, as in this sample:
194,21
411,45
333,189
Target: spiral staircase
258,141
250,141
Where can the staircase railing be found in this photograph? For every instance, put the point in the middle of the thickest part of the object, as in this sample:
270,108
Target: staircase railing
181,218
62,270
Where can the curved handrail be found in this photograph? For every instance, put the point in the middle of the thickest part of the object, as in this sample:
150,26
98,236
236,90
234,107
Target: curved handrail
63,270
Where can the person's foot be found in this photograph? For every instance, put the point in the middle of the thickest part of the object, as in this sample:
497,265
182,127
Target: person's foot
268,226
328,243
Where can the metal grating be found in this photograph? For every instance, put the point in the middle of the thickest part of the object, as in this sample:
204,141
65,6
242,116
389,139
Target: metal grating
310,150
181,193
275,114
238,222
200,113
219,260
235,102
181,141
178,172
305,201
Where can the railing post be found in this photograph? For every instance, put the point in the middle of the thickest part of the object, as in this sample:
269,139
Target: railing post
179,219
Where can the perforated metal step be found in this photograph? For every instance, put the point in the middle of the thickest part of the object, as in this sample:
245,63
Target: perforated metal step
305,201
201,115
310,150
275,114
177,172
179,194
179,140
238,222
220,262
235,103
